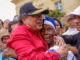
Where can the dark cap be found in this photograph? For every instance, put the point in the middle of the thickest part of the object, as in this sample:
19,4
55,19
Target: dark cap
30,9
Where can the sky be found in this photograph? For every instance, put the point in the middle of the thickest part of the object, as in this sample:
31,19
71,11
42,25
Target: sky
7,10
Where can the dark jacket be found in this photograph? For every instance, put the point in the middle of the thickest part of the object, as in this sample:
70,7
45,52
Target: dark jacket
73,40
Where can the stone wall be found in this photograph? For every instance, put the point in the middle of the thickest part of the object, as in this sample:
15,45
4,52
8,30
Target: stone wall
68,5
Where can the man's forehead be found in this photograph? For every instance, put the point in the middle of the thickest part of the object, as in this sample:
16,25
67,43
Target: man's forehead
76,15
48,26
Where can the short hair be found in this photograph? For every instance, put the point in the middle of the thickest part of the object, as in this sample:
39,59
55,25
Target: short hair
10,24
58,22
1,21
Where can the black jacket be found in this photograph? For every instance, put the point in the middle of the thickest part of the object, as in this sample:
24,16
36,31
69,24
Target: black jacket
73,40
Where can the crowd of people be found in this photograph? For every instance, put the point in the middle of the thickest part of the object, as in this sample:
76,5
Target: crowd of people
32,36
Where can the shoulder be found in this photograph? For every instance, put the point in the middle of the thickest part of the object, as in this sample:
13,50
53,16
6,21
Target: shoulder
20,29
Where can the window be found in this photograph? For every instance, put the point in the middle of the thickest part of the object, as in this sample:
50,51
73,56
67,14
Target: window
59,6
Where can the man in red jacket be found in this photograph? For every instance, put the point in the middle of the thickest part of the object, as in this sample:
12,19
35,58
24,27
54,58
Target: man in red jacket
26,39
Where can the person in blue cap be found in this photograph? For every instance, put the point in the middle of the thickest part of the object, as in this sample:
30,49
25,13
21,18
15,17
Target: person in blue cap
48,30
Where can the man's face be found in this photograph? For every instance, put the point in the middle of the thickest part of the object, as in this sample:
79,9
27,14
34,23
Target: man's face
48,33
35,21
77,20
71,22
6,24
0,24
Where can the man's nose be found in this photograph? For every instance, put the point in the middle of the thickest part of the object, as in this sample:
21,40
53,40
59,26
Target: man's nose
48,33
77,20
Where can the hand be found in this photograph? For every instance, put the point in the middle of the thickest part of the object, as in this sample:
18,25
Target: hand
60,41
63,51
73,49
9,53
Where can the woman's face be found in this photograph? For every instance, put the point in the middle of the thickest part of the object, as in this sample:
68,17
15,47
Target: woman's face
48,33
57,27
6,24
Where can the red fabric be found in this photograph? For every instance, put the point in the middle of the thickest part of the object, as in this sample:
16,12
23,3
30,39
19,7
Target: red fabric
28,46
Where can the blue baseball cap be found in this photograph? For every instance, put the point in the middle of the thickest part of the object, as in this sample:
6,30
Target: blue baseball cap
30,9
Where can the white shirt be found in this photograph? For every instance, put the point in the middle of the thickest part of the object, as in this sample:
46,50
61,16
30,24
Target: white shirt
71,31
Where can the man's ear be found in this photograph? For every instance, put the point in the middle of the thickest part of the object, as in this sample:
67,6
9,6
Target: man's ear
22,18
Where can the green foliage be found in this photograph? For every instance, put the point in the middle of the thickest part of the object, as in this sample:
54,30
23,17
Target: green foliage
66,26
55,14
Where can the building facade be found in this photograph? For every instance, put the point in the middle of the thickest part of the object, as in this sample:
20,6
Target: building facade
66,6
69,5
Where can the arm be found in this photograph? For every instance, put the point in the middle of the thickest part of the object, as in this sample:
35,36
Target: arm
26,51
60,42
73,49
9,53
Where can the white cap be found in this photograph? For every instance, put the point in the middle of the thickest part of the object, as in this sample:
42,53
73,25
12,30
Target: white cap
76,11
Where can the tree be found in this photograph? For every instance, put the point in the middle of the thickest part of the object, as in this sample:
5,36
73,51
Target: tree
55,14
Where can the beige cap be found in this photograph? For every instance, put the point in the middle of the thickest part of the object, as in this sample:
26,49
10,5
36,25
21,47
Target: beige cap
2,34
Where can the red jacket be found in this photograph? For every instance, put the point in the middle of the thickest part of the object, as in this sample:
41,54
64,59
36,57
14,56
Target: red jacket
28,46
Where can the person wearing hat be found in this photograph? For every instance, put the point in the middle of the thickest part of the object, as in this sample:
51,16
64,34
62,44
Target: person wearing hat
4,37
74,40
26,39
72,26
48,30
